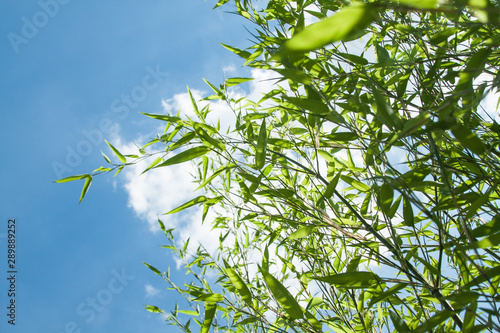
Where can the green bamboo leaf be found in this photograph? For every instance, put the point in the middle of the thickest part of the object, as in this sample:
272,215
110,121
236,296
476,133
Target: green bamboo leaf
214,88
254,56
239,52
220,3
210,309
207,139
189,312
354,58
152,165
119,170
356,183
468,139
488,228
186,138
331,187
342,136
86,186
399,323
192,202
170,119
106,158
302,232
260,154
153,309
352,280
185,156
420,4
216,173
282,296
152,268
246,321
408,213
381,54
313,321
102,169
117,153
474,68
294,75
239,284
237,80
384,110
316,107
210,298
390,292
469,318
386,195
340,27
71,178
193,102
439,318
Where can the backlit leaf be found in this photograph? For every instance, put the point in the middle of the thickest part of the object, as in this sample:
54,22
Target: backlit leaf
283,296
185,156
339,27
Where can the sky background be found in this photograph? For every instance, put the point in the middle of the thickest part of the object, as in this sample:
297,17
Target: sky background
74,73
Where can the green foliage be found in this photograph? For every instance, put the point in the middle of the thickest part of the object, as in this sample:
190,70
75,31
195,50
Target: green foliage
366,182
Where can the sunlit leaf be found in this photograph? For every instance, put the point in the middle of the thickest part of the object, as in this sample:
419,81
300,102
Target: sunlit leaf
302,232
152,268
260,153
185,156
351,280
350,20
239,284
190,203
283,296
86,186
117,153
237,80
210,309
71,178
210,298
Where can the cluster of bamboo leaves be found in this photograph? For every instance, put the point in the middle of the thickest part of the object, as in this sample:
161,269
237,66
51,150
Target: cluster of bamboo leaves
361,193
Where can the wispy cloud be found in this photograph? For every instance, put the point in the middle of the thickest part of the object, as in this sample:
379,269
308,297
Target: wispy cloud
151,291
158,191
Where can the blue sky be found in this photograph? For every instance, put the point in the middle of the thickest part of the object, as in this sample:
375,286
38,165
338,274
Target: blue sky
73,73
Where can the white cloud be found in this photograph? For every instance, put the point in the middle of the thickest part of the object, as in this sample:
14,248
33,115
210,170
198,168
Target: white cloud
151,291
158,191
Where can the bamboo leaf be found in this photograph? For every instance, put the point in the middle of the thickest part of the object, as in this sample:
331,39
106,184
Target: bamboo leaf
239,284
302,232
192,202
399,323
210,298
260,154
220,3
117,153
185,156
237,80
352,280
153,309
282,296
210,309
86,186
439,318
339,27
71,178
468,139
152,268
239,52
